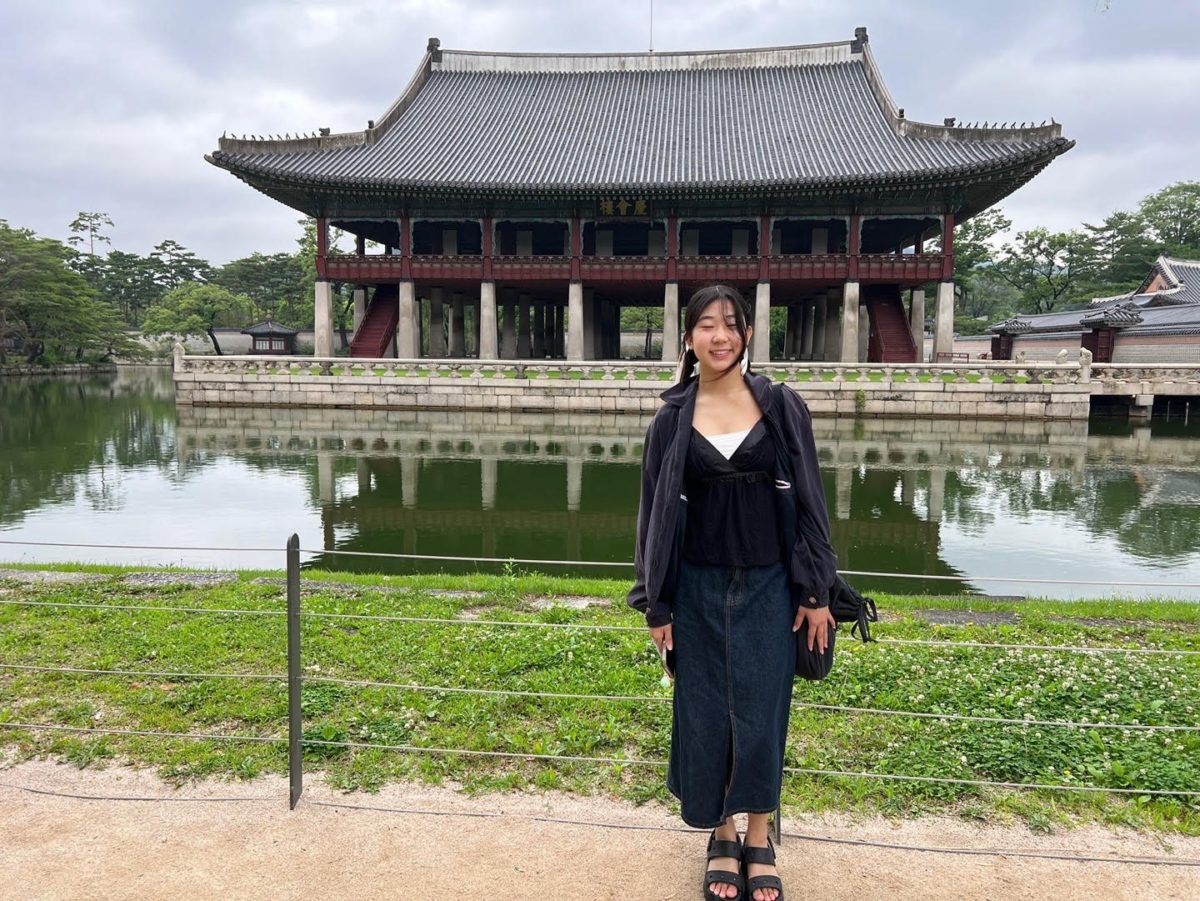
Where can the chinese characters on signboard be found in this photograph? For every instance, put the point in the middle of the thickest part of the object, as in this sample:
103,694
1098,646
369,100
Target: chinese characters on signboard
623,207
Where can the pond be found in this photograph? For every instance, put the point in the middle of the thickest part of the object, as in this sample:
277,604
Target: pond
111,460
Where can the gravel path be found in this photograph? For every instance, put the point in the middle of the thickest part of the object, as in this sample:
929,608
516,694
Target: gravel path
499,846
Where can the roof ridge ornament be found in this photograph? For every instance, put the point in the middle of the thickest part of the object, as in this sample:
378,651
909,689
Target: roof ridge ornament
860,40
434,49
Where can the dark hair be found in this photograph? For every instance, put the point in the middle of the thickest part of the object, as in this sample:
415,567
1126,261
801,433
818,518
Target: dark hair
691,316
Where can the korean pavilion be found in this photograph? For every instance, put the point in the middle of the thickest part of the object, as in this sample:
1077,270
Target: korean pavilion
542,193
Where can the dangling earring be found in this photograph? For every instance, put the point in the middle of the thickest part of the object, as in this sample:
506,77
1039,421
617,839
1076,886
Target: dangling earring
745,363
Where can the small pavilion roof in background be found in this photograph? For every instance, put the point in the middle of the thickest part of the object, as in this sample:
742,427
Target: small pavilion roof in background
1171,308
269,328
815,118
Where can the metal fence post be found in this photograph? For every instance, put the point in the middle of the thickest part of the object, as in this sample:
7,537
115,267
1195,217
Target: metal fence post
295,724
778,824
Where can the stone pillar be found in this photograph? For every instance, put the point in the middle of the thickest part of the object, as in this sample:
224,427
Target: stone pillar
864,333
819,338
833,325
937,494
843,480
487,322
408,339
476,325
574,481
670,339
360,307
916,320
789,333
539,330
437,328
808,321
523,327
508,337
575,322
323,320
363,471
559,332
325,478
458,326
761,342
409,474
487,482
908,488
943,329
849,352
589,324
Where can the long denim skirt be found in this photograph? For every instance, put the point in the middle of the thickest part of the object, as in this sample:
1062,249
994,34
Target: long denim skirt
735,661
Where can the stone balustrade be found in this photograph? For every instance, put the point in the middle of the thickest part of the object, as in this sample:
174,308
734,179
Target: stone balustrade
981,389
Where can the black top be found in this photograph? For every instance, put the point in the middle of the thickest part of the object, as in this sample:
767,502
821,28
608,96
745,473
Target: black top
731,503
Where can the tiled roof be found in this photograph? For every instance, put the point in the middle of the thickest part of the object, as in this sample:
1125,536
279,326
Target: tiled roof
777,118
269,327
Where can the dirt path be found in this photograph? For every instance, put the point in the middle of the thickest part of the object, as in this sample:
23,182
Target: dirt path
494,847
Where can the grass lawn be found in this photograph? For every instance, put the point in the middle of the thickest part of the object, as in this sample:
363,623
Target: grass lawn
477,650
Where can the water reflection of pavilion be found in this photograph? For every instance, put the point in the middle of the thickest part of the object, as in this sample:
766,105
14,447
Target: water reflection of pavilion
560,487
565,486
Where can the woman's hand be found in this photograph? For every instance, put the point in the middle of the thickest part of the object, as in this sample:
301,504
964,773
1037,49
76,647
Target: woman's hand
820,624
662,637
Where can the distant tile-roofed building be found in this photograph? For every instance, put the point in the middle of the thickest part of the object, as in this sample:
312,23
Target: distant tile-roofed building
570,185
1159,322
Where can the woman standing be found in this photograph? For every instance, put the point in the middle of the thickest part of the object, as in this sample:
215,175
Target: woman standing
720,592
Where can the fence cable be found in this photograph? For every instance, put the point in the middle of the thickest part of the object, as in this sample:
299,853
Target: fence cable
582,627
574,696
150,608
830,708
11,724
142,673
800,771
1100,583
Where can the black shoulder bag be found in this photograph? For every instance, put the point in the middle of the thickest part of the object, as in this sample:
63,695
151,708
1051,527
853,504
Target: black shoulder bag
845,604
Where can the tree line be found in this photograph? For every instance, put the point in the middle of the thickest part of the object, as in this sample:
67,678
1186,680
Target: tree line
81,300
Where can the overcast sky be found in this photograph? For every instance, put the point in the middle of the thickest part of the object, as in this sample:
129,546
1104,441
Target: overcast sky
110,105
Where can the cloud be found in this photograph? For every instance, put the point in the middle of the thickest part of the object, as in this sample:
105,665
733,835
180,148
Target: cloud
111,106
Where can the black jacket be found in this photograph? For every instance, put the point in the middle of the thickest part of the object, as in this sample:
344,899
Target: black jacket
812,563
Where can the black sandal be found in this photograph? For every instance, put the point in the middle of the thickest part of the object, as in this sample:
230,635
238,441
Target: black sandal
720,848
766,857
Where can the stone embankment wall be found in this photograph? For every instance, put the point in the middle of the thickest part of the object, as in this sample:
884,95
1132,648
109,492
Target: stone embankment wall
64,369
935,398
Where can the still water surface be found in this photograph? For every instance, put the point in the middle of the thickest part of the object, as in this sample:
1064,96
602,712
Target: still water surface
112,460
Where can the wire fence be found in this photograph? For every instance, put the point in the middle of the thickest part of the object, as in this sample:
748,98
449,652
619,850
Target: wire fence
294,679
